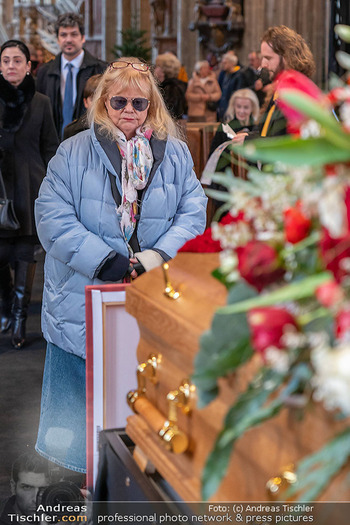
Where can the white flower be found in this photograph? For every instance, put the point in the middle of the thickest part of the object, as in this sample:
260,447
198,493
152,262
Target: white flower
332,208
228,265
310,129
231,235
239,200
277,359
292,338
332,377
344,112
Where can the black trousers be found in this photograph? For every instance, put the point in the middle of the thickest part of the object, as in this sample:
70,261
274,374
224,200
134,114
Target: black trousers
13,249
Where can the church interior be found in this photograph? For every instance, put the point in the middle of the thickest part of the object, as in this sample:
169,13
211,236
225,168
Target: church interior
188,397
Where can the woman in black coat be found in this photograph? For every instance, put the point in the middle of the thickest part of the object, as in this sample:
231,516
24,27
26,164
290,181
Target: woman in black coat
28,140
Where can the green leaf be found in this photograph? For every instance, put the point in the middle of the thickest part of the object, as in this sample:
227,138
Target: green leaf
335,81
218,195
134,43
315,472
222,277
223,363
322,323
247,412
223,348
225,179
310,108
290,292
311,240
343,31
293,151
343,59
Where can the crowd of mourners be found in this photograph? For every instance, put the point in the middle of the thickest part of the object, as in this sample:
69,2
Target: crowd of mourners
205,96
93,159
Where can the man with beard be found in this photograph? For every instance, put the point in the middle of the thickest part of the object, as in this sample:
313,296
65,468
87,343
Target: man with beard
63,78
281,48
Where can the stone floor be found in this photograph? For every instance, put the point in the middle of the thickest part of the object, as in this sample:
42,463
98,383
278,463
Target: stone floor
20,388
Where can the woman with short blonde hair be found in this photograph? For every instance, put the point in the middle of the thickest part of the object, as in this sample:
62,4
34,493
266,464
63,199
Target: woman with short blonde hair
247,94
118,199
158,117
169,63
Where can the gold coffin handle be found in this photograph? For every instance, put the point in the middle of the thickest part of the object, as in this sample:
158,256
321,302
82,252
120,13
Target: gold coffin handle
169,290
172,437
281,482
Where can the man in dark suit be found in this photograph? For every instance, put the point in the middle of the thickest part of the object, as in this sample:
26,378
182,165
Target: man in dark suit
63,78
230,80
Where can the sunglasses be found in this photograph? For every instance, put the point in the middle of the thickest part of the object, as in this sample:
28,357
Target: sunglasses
138,103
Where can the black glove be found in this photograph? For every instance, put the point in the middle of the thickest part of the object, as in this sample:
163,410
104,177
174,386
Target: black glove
114,269
139,268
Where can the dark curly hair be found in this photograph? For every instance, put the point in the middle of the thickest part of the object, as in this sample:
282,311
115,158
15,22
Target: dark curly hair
70,20
292,48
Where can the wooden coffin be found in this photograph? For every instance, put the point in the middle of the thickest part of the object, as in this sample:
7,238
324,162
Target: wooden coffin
171,329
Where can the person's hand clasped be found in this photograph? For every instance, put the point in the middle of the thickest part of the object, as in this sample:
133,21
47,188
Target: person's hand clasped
132,272
239,138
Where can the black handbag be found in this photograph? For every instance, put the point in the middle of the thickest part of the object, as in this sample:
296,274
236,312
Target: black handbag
8,219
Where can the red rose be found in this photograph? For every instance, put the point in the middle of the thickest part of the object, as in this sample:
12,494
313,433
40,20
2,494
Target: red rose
342,325
258,264
335,249
347,205
267,326
329,294
331,170
204,243
296,224
333,253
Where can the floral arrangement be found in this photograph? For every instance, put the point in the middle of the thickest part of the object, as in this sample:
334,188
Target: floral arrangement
285,259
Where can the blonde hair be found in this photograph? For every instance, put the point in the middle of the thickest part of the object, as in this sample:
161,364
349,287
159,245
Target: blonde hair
247,94
170,64
158,117
199,64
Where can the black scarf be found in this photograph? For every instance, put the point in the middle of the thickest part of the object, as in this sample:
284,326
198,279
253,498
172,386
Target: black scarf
14,102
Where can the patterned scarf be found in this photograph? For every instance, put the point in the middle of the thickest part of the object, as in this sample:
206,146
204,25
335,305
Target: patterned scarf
137,161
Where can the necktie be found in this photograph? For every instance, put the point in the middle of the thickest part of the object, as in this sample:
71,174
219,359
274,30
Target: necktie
67,111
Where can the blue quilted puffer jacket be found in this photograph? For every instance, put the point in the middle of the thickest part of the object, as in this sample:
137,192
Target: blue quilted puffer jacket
79,228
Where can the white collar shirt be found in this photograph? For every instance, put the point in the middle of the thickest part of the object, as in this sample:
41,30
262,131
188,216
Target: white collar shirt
76,63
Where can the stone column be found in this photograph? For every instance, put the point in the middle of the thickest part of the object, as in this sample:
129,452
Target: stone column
188,50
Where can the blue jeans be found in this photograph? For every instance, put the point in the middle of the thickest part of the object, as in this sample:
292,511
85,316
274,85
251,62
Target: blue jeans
62,428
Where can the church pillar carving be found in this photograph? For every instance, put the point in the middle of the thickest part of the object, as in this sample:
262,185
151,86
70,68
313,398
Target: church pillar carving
219,23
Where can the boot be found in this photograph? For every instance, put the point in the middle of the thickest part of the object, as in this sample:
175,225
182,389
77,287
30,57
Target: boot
24,276
6,291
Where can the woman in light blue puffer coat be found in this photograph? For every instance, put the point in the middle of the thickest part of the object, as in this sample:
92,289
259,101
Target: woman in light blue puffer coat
118,199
